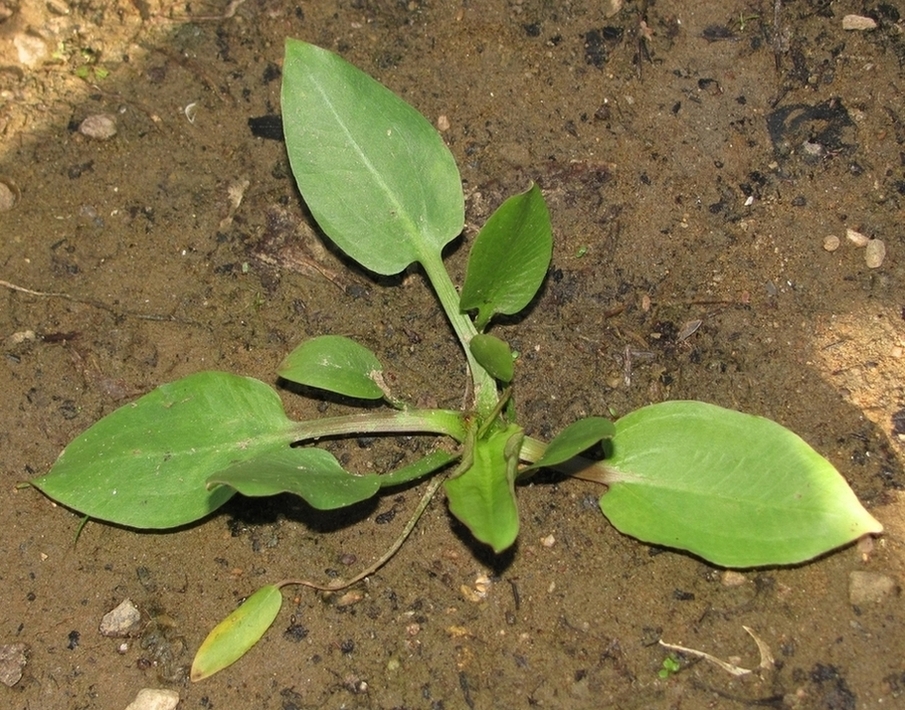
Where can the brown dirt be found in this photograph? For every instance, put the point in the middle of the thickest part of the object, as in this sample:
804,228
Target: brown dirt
692,175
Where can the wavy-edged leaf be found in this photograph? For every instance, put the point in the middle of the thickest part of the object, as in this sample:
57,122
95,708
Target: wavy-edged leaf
493,355
145,464
237,633
575,438
310,473
509,258
483,497
736,489
336,364
374,172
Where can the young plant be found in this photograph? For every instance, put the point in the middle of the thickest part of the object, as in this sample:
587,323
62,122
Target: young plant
734,489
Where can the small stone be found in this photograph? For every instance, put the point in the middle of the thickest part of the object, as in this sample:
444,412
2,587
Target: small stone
154,699
30,49
831,242
856,238
443,122
548,541
12,662
100,126
731,578
875,253
9,195
869,587
858,22
122,621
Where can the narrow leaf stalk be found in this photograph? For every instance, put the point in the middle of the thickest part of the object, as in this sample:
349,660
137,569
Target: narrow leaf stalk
409,421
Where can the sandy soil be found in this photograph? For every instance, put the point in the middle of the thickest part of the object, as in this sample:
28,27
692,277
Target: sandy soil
694,155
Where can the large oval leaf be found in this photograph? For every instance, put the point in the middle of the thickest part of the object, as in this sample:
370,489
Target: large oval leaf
336,364
375,174
509,258
145,464
231,639
736,489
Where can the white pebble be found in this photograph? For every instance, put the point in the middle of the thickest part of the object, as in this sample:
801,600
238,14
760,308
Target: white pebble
858,22
856,238
100,126
875,253
122,621
154,699
831,242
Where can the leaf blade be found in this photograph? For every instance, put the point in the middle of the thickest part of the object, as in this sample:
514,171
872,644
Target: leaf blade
144,465
509,258
575,438
310,473
336,364
483,497
233,637
733,488
375,174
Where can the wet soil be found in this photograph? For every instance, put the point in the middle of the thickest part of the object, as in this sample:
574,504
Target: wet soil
694,157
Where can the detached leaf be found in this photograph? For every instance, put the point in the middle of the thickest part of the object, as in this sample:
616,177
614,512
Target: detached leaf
574,439
310,473
509,258
373,171
493,355
336,364
145,464
736,489
237,633
483,497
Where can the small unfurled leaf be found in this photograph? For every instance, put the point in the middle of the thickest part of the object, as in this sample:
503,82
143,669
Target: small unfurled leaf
509,258
237,633
736,489
336,364
374,172
310,473
483,497
574,439
145,464
493,355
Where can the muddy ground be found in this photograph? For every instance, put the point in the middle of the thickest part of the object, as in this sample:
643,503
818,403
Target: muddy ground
695,156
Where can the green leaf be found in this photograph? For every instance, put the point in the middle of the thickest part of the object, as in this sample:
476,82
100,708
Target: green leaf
509,258
145,464
493,355
431,462
575,438
375,174
736,489
310,473
237,633
483,497
336,364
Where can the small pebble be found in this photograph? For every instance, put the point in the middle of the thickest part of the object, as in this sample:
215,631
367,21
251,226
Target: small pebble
548,541
122,621
442,122
9,195
12,662
731,578
831,242
100,126
869,587
154,699
858,22
875,253
856,238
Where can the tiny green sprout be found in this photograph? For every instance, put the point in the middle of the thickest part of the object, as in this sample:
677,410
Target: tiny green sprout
670,666
382,185
744,19
581,252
